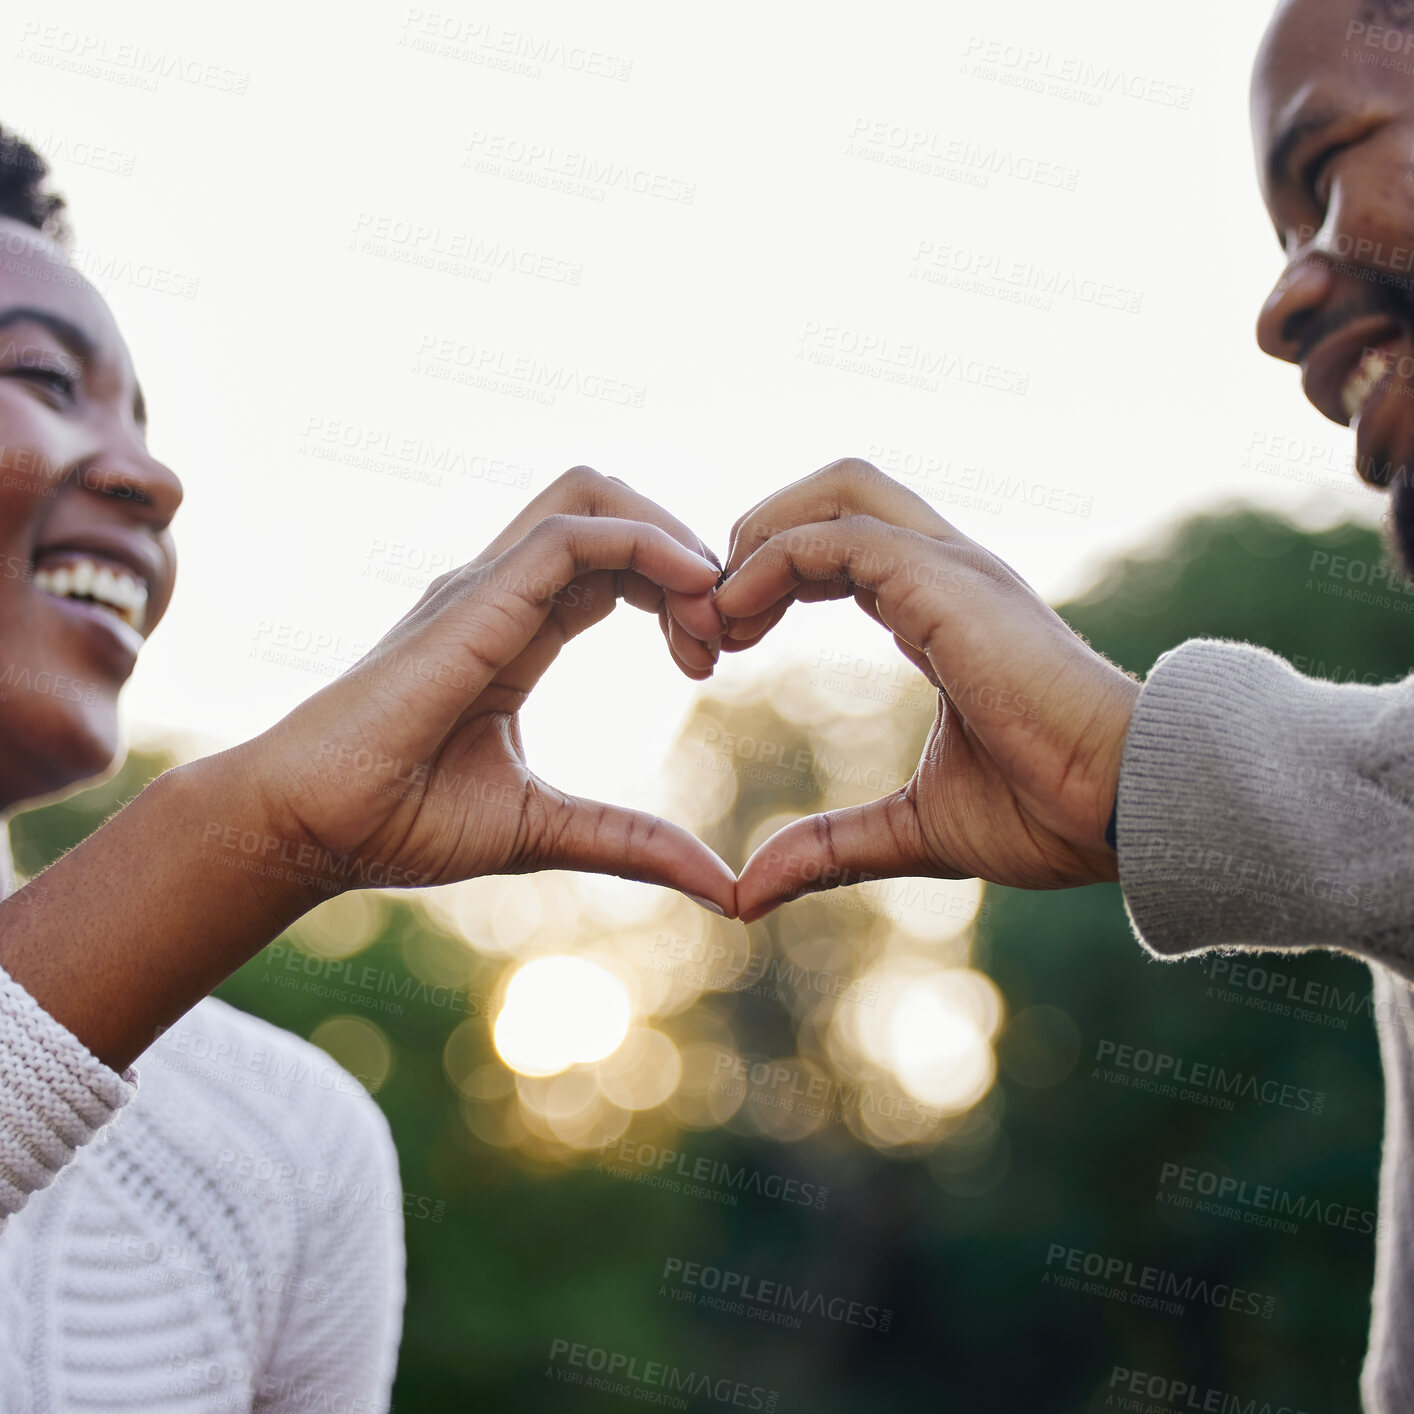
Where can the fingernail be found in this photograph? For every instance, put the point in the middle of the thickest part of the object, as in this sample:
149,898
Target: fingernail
714,647
707,904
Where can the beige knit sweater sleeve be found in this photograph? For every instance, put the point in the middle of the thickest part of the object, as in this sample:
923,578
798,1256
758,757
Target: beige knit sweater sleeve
55,1096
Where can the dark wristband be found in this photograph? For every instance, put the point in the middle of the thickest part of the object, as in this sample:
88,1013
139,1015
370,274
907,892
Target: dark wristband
1112,829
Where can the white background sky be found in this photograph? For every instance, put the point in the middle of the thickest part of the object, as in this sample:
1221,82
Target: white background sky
228,240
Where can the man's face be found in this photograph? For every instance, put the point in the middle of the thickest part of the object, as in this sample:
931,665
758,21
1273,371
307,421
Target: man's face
86,558
1333,123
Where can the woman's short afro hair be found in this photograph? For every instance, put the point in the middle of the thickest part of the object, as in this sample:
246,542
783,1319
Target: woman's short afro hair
24,193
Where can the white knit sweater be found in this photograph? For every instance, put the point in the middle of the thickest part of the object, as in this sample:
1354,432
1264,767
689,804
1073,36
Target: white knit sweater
232,1240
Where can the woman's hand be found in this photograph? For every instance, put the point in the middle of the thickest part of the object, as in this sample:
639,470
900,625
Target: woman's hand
1018,775
409,768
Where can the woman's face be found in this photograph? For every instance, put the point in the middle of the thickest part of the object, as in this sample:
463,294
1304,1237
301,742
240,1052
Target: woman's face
86,558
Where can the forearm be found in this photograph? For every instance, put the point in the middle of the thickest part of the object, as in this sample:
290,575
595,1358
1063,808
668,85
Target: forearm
139,922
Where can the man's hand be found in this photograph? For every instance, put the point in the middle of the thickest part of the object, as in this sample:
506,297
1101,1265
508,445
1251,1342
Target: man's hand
409,768
1018,776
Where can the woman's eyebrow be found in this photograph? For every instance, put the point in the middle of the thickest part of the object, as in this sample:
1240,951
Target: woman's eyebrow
68,333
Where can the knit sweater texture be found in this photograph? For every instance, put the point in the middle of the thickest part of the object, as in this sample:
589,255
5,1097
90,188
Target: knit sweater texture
1260,809
225,1235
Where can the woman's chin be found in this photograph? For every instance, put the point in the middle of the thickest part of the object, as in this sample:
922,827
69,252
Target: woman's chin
49,747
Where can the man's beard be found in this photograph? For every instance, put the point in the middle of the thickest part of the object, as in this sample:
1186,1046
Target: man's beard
1399,526
1381,466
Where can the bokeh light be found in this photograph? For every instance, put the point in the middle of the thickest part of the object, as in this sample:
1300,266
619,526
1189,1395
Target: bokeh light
359,1045
930,1028
558,1012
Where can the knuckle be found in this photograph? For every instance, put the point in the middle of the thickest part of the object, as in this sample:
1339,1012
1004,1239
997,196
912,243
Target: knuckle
557,527
582,484
856,469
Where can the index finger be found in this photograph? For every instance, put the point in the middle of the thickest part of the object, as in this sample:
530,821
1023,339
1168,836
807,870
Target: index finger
849,487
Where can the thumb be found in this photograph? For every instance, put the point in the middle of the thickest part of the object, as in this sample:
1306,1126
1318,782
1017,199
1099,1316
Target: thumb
594,838
880,840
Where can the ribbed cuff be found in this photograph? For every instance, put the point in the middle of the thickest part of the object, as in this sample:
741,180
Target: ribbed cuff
55,1095
1261,808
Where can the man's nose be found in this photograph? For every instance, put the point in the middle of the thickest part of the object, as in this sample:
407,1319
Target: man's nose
1303,287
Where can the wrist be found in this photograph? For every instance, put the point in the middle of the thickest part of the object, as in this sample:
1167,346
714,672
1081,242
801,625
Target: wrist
1126,697
244,823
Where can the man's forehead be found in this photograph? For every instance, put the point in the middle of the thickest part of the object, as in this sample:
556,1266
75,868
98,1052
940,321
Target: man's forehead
1328,53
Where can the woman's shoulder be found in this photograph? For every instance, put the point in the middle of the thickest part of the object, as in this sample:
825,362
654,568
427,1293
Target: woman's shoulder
237,1061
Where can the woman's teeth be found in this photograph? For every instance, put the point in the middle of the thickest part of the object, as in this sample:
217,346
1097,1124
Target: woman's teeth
1366,376
84,579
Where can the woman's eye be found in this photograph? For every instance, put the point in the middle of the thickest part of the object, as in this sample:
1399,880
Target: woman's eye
59,385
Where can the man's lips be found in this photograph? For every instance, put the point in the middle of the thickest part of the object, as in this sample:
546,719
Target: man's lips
1342,370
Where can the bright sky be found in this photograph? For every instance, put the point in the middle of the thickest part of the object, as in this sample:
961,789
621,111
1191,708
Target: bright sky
1012,252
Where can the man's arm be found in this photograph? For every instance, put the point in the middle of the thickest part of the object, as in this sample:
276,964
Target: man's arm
1260,808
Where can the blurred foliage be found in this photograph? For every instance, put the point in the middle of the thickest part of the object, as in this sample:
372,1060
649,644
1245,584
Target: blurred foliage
516,1239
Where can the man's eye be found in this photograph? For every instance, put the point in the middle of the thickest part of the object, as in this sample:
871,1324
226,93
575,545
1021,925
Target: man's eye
1317,174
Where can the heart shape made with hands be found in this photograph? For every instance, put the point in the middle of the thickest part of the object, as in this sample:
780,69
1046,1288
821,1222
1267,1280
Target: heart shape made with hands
1003,790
